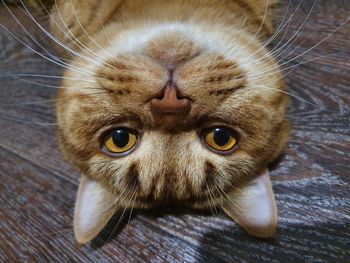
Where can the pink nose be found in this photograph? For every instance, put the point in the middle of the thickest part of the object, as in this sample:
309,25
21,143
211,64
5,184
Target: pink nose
170,103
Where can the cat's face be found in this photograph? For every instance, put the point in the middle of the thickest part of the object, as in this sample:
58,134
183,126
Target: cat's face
220,79
178,113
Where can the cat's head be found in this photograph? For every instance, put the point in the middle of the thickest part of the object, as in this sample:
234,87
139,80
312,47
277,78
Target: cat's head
177,112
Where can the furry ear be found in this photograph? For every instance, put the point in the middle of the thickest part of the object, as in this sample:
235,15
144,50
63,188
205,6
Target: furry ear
93,209
253,207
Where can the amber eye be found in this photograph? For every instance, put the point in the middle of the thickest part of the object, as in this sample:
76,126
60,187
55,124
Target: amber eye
120,141
220,139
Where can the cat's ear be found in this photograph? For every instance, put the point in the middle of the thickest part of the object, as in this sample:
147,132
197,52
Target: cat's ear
253,207
93,209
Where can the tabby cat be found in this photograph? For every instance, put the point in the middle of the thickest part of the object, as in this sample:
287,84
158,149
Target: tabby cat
175,101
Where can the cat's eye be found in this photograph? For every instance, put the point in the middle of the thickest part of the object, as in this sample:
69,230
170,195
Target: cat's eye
120,141
220,139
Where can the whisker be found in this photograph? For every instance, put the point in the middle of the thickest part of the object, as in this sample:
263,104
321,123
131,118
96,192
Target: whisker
42,76
297,33
53,58
209,198
267,42
65,47
129,219
53,100
120,219
37,52
277,69
212,198
29,15
20,121
93,40
25,30
263,72
104,30
293,67
294,96
261,25
74,39
53,86
114,204
228,199
276,49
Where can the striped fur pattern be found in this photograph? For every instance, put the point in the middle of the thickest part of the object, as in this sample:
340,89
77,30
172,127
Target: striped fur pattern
124,55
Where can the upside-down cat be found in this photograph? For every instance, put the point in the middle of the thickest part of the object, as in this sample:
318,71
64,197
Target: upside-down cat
173,101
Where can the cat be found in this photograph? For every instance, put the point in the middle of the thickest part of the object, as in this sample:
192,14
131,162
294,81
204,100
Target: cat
174,101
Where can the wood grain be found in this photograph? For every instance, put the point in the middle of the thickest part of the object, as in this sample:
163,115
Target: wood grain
311,180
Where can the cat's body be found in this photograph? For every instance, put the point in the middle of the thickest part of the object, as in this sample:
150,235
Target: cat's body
169,73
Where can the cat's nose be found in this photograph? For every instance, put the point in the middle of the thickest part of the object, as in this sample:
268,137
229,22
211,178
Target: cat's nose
170,103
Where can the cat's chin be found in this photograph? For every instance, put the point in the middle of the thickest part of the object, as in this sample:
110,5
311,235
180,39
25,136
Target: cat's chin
252,206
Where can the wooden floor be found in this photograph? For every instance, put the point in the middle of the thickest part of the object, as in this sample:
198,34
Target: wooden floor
311,180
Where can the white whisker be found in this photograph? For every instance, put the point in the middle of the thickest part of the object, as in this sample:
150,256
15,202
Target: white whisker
43,76
267,42
120,219
104,30
37,52
263,73
53,86
132,208
9,118
93,40
292,95
53,100
295,36
53,58
261,25
74,39
65,47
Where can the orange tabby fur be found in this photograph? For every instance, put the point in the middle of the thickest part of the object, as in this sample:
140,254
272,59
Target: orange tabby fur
216,60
